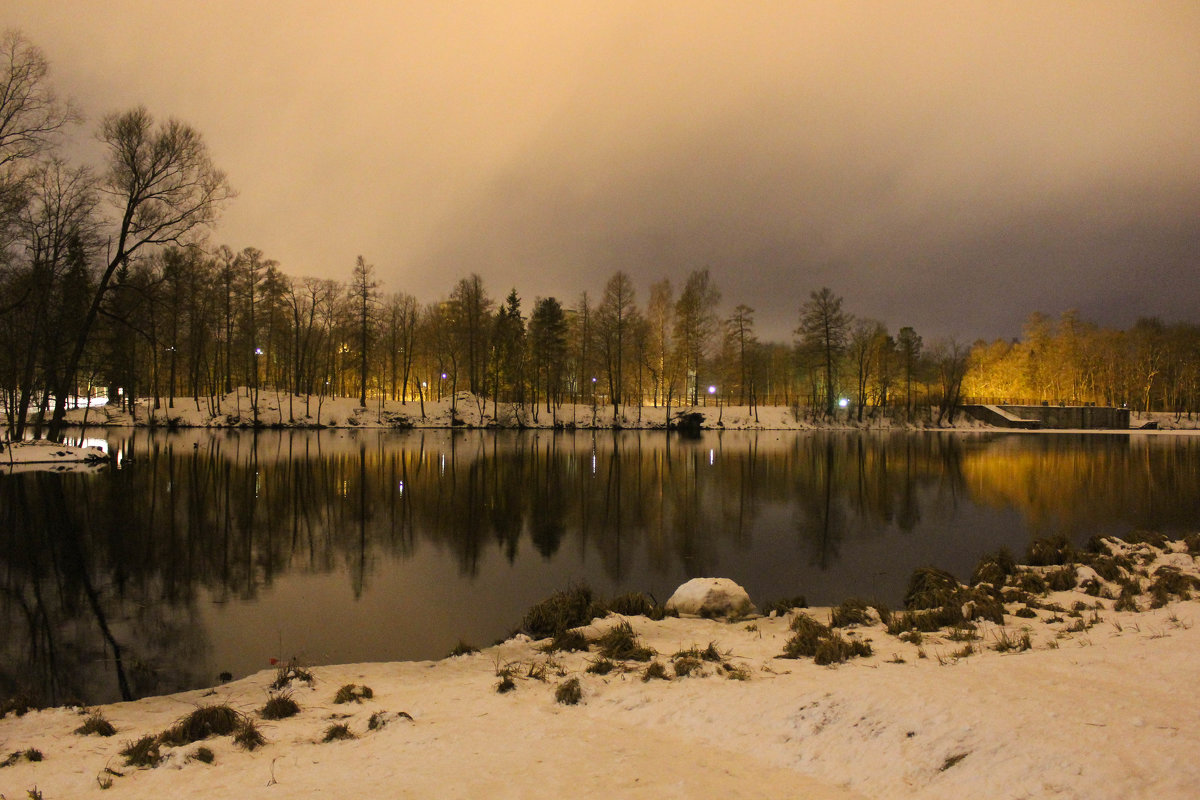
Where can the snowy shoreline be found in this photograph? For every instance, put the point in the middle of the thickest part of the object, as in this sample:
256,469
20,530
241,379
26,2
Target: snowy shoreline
1099,706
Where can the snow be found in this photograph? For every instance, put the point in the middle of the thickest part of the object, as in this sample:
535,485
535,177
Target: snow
43,455
1106,712
710,597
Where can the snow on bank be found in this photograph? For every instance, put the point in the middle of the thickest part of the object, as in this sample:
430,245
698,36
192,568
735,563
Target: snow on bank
42,455
1102,706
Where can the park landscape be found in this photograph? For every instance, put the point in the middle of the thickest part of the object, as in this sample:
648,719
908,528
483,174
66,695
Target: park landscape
402,496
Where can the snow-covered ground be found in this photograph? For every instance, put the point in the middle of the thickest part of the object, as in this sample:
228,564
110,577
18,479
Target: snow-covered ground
1102,706
43,455
275,409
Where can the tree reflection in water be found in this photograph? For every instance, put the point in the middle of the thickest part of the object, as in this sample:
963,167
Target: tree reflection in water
107,578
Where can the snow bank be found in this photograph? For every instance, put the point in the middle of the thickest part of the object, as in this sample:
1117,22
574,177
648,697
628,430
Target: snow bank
42,455
1102,705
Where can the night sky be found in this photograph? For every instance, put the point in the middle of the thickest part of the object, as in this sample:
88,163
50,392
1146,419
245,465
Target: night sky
951,166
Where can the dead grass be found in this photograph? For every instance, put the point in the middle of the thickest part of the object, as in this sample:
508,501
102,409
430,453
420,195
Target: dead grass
353,693
620,643
337,732
569,692
279,706
96,725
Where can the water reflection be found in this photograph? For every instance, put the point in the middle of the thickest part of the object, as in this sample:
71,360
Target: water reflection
205,552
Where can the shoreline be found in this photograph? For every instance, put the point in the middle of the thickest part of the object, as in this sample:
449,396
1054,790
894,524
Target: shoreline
1099,705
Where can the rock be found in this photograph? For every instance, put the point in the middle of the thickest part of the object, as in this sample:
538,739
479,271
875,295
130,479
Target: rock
711,597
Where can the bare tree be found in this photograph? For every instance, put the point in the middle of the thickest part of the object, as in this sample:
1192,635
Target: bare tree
695,326
165,189
615,320
823,328
362,290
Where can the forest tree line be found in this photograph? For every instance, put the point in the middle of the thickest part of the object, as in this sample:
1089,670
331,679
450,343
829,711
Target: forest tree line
107,287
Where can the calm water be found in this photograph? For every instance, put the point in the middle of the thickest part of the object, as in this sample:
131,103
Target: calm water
195,553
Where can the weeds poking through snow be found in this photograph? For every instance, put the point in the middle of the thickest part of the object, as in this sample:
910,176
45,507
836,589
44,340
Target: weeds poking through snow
621,643
463,649
279,706
337,732
1053,551
811,639
1006,643
203,755
248,736
569,692
353,693
96,725
291,671
784,605
569,641
142,753
562,610
655,671
850,612
601,666
685,665
506,683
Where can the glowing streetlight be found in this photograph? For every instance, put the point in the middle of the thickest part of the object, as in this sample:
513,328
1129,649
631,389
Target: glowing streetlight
843,402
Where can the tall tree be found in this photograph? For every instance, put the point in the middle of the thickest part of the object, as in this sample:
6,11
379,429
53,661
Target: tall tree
908,345
165,188
363,292
616,319
739,334
548,349
695,326
823,328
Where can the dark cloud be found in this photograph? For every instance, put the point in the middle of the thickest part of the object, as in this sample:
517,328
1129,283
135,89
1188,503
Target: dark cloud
949,166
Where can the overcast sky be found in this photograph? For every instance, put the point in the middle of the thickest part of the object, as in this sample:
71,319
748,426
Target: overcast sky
951,166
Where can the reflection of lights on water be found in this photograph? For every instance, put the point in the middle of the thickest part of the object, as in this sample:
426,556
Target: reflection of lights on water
443,463
711,457
400,488
593,463
345,488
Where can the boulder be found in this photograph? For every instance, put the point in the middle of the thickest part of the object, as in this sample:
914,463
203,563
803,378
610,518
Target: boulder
711,597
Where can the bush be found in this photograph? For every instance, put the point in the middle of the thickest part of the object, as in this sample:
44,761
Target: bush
248,736
635,604
291,671
784,605
279,706
850,612
1053,551
96,725
621,643
655,671
142,753
930,587
1152,538
569,692
337,732
601,667
994,568
569,641
203,755
206,721
1061,580
564,609
1031,582
834,650
352,693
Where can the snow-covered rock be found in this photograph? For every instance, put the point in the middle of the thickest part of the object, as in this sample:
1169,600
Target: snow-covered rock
711,597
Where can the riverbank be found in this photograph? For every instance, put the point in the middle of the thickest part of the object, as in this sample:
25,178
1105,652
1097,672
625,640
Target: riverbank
1099,704
275,410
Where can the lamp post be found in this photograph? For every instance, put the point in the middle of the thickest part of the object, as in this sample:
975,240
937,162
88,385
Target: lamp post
712,390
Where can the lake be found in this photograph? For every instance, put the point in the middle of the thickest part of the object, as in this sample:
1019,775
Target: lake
200,552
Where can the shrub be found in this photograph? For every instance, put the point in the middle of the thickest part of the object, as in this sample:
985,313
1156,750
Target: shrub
337,732
1061,580
621,643
248,736
655,671
206,721
1152,538
1031,582
834,650
291,671
1025,613
279,706
96,725
1053,551
930,587
635,604
568,640
784,605
600,667
142,753
994,568
850,612
1106,567
569,692
203,755
807,634
1006,643
352,693
562,610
